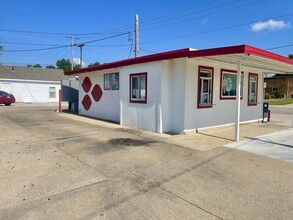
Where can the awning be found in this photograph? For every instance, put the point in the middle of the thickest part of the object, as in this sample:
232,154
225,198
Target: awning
250,57
245,56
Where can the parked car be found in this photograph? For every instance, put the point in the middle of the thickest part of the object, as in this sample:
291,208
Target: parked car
6,98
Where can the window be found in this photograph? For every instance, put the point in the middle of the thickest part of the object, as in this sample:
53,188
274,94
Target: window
274,89
115,81
107,81
111,81
229,84
138,88
52,92
252,88
205,87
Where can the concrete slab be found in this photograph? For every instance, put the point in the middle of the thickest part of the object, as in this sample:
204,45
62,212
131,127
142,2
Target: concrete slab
70,167
277,145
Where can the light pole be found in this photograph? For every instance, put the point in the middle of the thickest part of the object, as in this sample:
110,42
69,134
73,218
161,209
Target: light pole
80,59
72,48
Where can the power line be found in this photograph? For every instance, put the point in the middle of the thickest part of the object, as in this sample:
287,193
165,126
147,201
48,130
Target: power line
35,44
150,51
31,44
178,12
167,15
202,16
64,46
56,33
279,47
204,10
216,30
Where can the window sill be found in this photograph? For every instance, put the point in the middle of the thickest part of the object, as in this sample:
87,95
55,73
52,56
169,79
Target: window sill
204,106
138,101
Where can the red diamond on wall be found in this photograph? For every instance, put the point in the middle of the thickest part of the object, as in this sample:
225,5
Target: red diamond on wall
86,102
97,93
86,84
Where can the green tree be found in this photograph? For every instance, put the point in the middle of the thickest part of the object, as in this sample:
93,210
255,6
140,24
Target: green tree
76,67
64,64
50,67
94,64
290,56
37,66
29,65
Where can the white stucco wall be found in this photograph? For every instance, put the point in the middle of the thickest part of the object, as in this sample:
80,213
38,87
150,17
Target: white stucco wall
108,106
142,115
172,87
223,111
172,95
30,91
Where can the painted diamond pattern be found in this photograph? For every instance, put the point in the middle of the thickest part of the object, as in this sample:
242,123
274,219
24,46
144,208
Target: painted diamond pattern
86,102
97,93
86,84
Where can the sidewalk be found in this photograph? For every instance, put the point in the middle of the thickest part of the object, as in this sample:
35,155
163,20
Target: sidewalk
277,145
204,140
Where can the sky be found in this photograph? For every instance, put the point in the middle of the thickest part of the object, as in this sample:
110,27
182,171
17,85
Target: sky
36,31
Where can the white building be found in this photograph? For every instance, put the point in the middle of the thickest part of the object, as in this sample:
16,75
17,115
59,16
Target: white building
31,85
180,90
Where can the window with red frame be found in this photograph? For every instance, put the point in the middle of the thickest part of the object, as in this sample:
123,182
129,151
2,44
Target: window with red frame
252,89
229,84
138,88
205,87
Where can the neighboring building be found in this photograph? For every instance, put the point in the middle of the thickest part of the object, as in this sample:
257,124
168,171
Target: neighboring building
284,84
31,85
180,90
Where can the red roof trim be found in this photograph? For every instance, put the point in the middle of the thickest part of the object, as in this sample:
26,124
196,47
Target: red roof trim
240,49
266,54
144,59
218,51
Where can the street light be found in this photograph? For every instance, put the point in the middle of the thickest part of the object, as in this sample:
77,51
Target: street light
80,46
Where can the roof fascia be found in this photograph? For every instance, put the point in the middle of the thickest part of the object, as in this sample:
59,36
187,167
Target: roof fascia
144,59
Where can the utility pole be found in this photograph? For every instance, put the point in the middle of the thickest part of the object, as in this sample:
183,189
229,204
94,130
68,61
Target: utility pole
72,48
80,58
136,36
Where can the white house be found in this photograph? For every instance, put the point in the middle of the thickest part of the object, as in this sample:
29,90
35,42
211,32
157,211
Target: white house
180,90
31,85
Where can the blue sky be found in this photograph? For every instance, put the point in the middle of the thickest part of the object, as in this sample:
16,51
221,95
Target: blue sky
164,25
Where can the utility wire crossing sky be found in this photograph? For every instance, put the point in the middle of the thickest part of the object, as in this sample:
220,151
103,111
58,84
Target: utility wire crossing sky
33,32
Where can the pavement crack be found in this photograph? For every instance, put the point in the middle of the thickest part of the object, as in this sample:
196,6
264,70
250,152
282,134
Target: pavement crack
191,203
158,185
79,160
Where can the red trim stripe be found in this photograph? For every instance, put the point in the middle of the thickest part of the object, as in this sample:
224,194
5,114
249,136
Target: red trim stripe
239,49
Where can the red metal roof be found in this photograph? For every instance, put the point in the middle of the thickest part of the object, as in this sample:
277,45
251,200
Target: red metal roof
239,49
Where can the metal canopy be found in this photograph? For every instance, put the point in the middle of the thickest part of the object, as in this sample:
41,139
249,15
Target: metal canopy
252,61
265,64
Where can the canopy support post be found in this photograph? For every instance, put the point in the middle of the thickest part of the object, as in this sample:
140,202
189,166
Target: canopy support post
238,90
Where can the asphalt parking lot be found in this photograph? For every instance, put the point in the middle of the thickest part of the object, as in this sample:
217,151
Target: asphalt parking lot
62,166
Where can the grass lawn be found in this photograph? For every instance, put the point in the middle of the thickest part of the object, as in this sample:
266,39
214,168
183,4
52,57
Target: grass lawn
285,101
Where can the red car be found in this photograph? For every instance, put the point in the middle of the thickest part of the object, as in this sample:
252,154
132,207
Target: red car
6,98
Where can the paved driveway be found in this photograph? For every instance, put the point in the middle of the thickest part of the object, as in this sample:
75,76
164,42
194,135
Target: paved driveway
66,167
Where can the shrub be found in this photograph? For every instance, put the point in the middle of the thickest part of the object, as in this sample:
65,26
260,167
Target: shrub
278,95
267,95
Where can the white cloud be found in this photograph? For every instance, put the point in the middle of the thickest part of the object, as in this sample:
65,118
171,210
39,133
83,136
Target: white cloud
270,25
77,61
